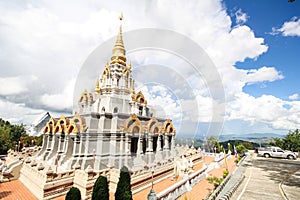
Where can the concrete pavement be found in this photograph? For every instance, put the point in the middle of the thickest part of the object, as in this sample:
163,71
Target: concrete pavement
263,178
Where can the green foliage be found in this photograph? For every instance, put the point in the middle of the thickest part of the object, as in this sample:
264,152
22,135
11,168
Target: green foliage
123,191
214,142
277,142
215,181
73,194
241,149
4,139
9,135
100,189
225,173
247,145
290,142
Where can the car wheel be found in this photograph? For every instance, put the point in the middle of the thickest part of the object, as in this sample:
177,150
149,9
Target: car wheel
290,157
267,155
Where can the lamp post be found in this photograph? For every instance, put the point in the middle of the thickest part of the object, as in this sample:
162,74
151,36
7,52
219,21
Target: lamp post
152,195
152,172
226,164
93,164
203,153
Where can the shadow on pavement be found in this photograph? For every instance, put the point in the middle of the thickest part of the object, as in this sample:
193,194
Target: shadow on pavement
279,169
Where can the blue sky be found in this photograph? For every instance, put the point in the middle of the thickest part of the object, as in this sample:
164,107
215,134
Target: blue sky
283,51
254,46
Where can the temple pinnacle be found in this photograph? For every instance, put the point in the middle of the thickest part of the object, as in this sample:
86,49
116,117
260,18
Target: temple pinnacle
118,52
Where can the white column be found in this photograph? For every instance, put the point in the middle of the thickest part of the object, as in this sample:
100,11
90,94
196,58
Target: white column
150,144
76,146
122,152
60,144
127,144
49,140
173,142
140,145
144,110
166,142
159,142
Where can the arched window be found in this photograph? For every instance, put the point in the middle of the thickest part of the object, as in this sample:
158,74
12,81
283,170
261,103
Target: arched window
116,110
136,129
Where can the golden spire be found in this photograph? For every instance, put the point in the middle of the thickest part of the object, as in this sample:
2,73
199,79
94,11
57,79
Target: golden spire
129,65
97,88
118,52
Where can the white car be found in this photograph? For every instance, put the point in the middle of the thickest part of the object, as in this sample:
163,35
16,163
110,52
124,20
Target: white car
276,152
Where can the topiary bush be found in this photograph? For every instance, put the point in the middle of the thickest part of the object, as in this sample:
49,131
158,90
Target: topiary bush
123,191
225,173
100,189
73,194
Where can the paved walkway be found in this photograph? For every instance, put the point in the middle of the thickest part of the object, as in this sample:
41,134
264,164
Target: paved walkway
203,188
291,186
263,177
161,186
236,178
15,190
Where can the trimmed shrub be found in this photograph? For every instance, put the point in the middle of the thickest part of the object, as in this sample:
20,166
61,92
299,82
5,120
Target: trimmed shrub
100,189
123,191
225,173
73,194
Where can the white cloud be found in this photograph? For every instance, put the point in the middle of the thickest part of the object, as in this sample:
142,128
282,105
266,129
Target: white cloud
18,112
241,17
267,109
15,85
262,74
290,28
62,100
236,45
294,96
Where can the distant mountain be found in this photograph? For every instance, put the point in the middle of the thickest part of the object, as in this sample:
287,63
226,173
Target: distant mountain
247,137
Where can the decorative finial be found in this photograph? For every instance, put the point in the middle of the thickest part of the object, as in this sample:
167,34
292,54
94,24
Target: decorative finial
129,65
118,52
121,16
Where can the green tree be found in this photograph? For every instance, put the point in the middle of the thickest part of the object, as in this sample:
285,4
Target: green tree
247,145
100,189
214,142
277,142
17,131
10,135
5,142
123,191
73,194
291,141
241,149
215,181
